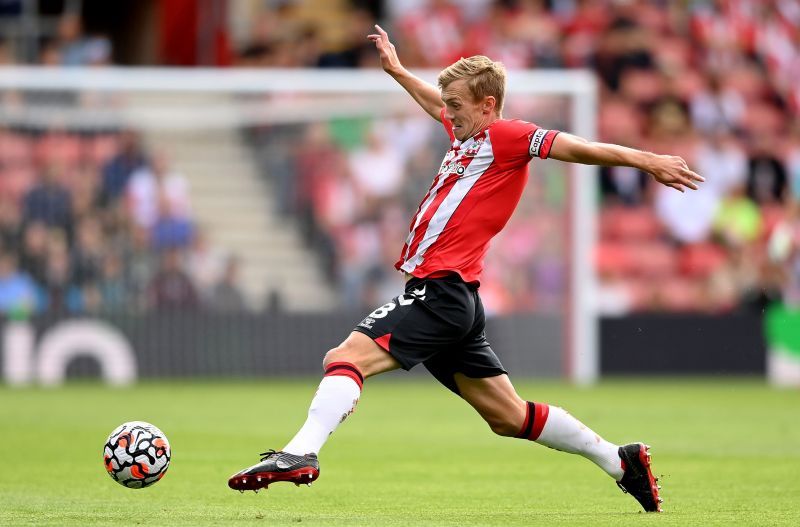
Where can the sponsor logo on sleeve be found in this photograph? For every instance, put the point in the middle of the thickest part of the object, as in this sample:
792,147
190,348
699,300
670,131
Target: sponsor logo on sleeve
367,323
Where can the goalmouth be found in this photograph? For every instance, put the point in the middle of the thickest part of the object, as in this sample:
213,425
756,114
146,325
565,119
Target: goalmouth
260,97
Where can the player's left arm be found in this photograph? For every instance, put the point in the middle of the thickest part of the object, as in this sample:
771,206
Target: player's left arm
671,171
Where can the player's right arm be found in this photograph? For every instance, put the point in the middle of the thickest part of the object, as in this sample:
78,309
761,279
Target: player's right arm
426,95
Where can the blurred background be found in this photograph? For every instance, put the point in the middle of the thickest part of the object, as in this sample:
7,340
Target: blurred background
237,223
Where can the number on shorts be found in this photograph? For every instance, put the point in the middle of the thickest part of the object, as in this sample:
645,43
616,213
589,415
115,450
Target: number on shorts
383,310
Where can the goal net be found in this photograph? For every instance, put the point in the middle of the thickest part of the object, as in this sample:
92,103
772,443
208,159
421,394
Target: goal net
294,186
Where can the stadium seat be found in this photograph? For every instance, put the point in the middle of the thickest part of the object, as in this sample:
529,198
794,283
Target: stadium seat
629,223
15,181
641,292
97,150
15,149
606,220
680,294
613,258
655,259
701,259
652,259
58,147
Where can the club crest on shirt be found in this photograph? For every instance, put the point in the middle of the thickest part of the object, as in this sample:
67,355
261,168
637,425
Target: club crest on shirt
472,151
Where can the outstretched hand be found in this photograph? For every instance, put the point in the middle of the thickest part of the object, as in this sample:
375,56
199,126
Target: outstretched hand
389,61
673,171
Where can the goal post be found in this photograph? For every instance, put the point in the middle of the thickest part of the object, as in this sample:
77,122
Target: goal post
277,97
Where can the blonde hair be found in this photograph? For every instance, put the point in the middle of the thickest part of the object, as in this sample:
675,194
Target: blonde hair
485,77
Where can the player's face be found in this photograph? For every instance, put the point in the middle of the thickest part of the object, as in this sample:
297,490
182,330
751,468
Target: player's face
468,115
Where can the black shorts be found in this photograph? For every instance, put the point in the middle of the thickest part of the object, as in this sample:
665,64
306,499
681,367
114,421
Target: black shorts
438,322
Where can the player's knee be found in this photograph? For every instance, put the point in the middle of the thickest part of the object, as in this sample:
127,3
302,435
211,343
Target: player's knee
333,355
344,352
502,426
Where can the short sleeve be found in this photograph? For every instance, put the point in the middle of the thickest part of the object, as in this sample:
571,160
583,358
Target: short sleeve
541,140
520,141
448,125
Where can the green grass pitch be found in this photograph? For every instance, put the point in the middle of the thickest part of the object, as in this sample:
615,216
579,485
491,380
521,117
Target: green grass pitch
412,454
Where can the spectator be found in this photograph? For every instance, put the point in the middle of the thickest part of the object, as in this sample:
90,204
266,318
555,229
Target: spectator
85,300
313,163
50,54
171,229
227,296
583,23
496,35
58,274
738,220
87,255
334,197
17,290
205,264
84,191
6,55
624,47
119,169
49,202
270,39
171,287
689,216
33,253
792,163
766,178
76,49
112,285
624,185
151,182
784,251
723,159
356,51
432,36
376,157
9,225
141,265
717,107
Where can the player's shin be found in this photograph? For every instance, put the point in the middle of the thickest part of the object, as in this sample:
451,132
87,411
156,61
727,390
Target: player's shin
555,428
336,398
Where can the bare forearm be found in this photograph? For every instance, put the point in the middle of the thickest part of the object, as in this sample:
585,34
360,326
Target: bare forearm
605,154
671,171
578,150
426,95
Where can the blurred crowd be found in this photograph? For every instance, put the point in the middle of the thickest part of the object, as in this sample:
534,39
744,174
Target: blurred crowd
712,81
70,45
93,222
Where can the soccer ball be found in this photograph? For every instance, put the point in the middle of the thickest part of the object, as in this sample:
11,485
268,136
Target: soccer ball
136,454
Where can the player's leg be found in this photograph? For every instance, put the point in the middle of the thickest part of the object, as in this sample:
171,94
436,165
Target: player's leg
498,403
475,373
496,400
346,367
388,338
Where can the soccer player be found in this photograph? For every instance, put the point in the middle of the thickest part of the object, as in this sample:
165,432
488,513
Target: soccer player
439,320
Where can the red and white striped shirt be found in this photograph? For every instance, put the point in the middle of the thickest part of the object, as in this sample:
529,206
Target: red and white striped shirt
472,197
